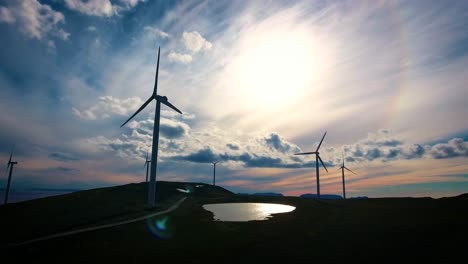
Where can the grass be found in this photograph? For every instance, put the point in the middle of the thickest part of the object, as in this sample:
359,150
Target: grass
373,229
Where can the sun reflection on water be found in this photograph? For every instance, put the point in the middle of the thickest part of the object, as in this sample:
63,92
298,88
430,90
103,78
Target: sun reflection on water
240,212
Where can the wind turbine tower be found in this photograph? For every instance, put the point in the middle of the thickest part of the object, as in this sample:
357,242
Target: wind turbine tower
147,162
10,165
343,167
214,172
154,152
317,159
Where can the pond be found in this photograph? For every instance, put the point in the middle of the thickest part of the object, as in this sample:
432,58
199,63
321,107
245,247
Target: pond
242,212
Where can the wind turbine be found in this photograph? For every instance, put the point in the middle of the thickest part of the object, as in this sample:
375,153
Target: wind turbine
343,167
154,152
317,158
10,165
214,172
147,162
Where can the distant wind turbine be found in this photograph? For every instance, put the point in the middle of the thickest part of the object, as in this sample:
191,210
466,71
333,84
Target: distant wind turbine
154,151
214,172
317,158
147,162
10,165
343,167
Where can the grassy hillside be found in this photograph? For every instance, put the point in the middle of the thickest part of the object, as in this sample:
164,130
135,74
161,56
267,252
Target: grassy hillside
328,229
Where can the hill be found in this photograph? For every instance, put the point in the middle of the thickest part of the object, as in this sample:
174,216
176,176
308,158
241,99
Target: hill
330,230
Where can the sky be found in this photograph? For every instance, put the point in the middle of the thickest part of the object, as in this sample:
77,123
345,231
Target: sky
257,82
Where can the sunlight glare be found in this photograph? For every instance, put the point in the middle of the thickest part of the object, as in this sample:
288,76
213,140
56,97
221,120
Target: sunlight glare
278,67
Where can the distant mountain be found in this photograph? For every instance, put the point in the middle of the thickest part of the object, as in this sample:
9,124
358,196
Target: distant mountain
322,196
268,194
359,198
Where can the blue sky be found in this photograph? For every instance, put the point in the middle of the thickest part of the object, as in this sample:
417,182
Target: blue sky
257,82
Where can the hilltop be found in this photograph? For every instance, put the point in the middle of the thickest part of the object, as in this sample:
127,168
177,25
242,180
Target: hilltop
327,229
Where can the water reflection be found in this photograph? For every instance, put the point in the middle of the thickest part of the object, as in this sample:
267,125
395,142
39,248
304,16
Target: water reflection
241,212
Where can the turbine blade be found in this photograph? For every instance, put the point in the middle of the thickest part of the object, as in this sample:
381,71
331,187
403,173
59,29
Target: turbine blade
306,153
138,111
323,164
11,154
155,89
166,102
342,153
350,171
321,141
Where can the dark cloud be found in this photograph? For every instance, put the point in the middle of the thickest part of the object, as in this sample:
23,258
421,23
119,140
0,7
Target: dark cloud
415,151
456,147
61,156
274,141
372,154
173,130
202,156
232,146
249,160
65,169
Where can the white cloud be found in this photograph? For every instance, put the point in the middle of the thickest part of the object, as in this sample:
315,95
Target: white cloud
6,15
51,44
34,19
195,42
178,57
101,7
91,29
108,106
91,7
155,32
63,34
131,3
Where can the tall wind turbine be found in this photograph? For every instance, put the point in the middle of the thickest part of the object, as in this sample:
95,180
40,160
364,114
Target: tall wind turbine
317,158
147,162
343,167
214,172
10,165
154,152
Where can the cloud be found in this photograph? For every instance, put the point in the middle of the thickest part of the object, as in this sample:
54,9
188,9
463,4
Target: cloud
66,170
455,147
155,32
277,143
107,106
194,42
63,34
249,160
382,146
178,57
173,129
6,15
232,146
61,156
34,19
91,7
91,29
131,3
201,156
168,128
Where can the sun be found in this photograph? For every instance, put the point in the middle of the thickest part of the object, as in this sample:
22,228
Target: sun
275,68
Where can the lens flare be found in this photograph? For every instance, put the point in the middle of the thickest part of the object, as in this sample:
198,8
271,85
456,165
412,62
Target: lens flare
160,227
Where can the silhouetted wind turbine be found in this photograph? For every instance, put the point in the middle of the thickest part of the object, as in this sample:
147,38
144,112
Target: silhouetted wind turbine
214,172
317,158
147,162
343,167
10,165
154,151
